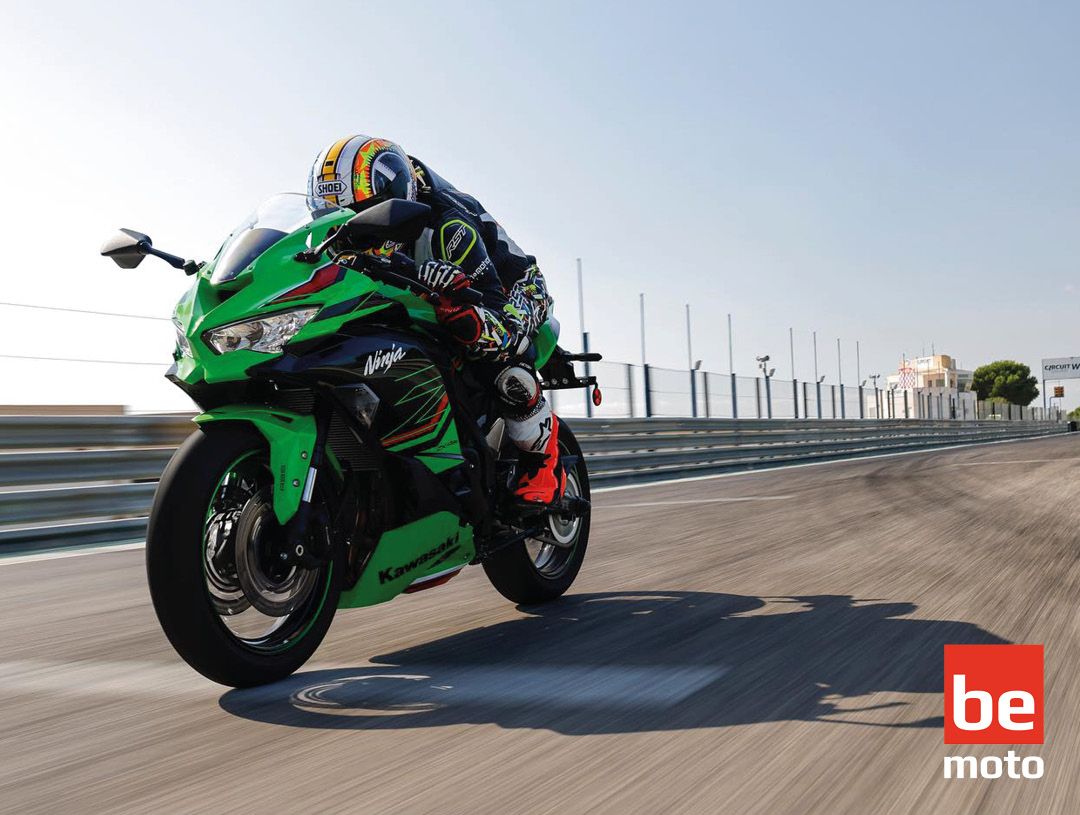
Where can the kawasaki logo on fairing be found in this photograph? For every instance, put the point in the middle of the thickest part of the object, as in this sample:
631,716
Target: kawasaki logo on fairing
383,361
446,548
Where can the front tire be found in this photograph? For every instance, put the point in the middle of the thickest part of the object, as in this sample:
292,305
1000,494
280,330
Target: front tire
533,571
207,560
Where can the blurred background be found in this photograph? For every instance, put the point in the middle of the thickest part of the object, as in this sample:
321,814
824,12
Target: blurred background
900,175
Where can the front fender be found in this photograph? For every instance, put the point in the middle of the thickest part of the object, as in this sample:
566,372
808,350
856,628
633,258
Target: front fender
291,437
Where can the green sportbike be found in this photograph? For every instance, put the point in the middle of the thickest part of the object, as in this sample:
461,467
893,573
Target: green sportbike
345,454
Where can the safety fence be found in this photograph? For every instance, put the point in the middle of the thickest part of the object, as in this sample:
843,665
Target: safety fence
649,391
70,480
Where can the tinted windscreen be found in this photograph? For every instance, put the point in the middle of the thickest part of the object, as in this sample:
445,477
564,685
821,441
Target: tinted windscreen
242,252
275,218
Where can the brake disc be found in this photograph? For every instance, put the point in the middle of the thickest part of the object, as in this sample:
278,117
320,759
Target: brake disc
272,586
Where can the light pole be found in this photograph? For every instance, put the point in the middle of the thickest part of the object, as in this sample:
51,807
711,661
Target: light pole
730,347
689,341
581,304
584,334
645,385
791,346
877,397
840,382
816,378
641,307
690,365
731,370
767,372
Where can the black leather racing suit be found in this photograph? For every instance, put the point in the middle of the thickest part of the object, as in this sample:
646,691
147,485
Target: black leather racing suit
515,300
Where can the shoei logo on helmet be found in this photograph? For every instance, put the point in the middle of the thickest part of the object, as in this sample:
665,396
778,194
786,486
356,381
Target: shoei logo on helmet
334,187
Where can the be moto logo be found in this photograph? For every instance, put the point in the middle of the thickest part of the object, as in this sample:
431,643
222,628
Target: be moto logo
993,695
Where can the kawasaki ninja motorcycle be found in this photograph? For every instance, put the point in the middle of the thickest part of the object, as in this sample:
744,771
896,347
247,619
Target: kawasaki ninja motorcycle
345,454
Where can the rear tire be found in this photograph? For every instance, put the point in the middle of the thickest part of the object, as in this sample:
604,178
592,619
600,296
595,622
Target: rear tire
180,579
530,572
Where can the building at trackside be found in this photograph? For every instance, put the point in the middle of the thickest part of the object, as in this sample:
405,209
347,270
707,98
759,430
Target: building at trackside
932,387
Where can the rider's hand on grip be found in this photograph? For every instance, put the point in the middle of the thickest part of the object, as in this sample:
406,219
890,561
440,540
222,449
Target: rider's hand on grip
448,281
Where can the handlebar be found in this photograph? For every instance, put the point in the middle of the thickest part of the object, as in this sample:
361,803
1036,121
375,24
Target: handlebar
383,269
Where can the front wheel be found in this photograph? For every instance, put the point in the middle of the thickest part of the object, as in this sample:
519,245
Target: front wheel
539,570
228,604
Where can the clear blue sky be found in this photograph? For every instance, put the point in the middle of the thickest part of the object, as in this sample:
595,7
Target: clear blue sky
900,174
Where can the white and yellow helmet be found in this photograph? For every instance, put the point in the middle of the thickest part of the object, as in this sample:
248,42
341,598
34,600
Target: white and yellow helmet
358,171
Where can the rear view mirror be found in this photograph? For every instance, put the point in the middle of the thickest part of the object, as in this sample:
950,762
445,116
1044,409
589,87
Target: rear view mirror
127,248
395,220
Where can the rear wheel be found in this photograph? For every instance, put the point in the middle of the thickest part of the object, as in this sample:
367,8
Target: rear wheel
229,605
542,569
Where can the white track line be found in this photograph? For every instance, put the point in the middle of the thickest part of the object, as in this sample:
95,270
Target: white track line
60,554
111,547
696,501
1013,461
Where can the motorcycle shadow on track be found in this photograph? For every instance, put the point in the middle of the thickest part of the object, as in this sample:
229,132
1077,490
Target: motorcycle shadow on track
642,661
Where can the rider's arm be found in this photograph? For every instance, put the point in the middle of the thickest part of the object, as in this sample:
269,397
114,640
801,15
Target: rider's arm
456,241
529,297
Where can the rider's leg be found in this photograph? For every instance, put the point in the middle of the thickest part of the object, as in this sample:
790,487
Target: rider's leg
530,423
534,429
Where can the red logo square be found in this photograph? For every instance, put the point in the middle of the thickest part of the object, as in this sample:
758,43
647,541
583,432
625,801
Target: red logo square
993,694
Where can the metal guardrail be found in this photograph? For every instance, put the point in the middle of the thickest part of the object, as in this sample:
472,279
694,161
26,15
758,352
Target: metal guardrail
73,480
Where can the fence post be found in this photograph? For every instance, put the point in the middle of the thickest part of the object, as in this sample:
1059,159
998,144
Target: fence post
832,398
630,389
795,395
862,403
648,389
705,382
757,395
843,407
817,388
693,393
906,416
768,397
805,401
734,399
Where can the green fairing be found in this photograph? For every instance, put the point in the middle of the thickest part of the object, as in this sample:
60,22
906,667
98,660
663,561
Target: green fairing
248,297
291,438
544,342
431,545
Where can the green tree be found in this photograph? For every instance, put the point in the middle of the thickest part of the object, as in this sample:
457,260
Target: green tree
1074,414
1007,380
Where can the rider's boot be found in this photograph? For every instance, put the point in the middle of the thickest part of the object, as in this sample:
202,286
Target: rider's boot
541,479
535,430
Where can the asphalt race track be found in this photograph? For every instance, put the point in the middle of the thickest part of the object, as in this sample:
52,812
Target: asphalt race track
769,642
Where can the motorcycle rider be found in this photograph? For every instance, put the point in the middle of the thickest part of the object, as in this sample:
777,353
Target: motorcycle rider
464,247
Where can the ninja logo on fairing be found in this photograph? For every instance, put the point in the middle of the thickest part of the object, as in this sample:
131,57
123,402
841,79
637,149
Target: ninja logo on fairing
382,361
446,548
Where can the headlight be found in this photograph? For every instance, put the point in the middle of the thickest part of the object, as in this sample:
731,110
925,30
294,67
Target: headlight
267,335
182,344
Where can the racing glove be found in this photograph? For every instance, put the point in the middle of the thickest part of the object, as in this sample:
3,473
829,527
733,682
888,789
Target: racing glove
445,278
